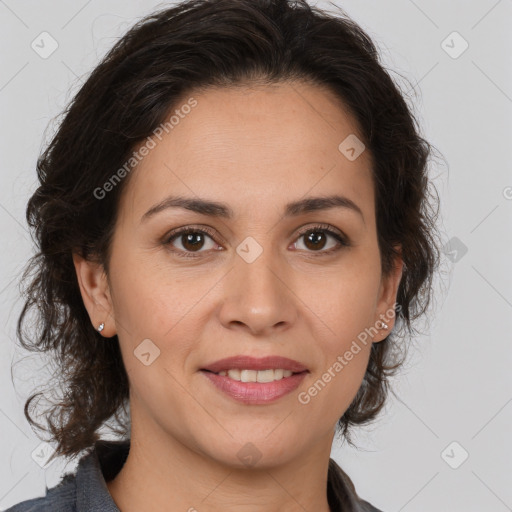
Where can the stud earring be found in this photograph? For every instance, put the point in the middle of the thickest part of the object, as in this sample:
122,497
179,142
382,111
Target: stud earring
384,325
100,327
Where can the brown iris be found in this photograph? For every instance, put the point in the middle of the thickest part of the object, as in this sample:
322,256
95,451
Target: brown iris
192,239
314,238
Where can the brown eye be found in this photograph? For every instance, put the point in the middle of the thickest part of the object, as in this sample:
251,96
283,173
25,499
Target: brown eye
316,240
192,240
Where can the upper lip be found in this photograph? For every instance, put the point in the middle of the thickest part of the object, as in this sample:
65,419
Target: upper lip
255,363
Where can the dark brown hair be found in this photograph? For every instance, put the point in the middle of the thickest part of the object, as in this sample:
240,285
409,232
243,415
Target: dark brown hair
185,48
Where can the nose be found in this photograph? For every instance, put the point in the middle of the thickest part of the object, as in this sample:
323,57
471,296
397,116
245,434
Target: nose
258,297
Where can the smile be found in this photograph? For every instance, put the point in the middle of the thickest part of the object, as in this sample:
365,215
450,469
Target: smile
256,376
255,387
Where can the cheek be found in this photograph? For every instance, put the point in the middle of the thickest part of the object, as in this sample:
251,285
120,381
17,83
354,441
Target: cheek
329,393
150,298
344,302
160,313
343,310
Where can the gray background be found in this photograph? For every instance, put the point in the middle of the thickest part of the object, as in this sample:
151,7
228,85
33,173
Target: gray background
456,386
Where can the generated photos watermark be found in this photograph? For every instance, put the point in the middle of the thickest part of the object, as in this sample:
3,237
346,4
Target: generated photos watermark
304,397
144,149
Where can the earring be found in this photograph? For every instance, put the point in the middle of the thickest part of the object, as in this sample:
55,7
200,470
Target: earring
384,325
101,326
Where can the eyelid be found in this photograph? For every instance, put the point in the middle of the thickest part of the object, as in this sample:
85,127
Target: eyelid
322,227
191,228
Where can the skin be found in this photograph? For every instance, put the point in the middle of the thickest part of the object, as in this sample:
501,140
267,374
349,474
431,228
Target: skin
255,149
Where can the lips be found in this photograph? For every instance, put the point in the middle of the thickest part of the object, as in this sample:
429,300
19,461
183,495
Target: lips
256,363
255,393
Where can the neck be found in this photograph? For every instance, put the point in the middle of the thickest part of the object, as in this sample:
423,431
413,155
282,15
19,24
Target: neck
161,473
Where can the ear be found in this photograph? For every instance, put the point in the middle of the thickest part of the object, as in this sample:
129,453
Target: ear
387,298
95,292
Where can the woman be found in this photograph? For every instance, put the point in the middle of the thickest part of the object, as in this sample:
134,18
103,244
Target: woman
234,224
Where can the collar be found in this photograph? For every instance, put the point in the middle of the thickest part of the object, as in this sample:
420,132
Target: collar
94,470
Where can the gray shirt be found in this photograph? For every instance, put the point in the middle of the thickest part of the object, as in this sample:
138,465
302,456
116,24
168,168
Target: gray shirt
86,490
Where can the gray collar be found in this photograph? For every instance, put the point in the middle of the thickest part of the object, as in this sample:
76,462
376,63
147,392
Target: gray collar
94,470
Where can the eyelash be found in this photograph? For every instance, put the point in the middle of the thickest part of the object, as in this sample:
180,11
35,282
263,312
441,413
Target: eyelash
324,228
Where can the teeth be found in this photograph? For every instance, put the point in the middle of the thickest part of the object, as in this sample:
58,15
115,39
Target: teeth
256,376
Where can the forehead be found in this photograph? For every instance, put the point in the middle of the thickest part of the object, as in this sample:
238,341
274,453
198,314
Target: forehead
254,147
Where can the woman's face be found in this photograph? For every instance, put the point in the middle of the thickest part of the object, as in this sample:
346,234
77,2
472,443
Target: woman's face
252,283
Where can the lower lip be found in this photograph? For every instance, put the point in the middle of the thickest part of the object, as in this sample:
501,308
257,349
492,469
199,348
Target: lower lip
255,392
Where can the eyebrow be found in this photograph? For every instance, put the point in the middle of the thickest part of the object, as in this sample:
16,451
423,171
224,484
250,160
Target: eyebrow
221,210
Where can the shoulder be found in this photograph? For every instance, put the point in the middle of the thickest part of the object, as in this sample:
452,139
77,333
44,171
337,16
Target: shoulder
364,506
85,488
342,494
61,498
